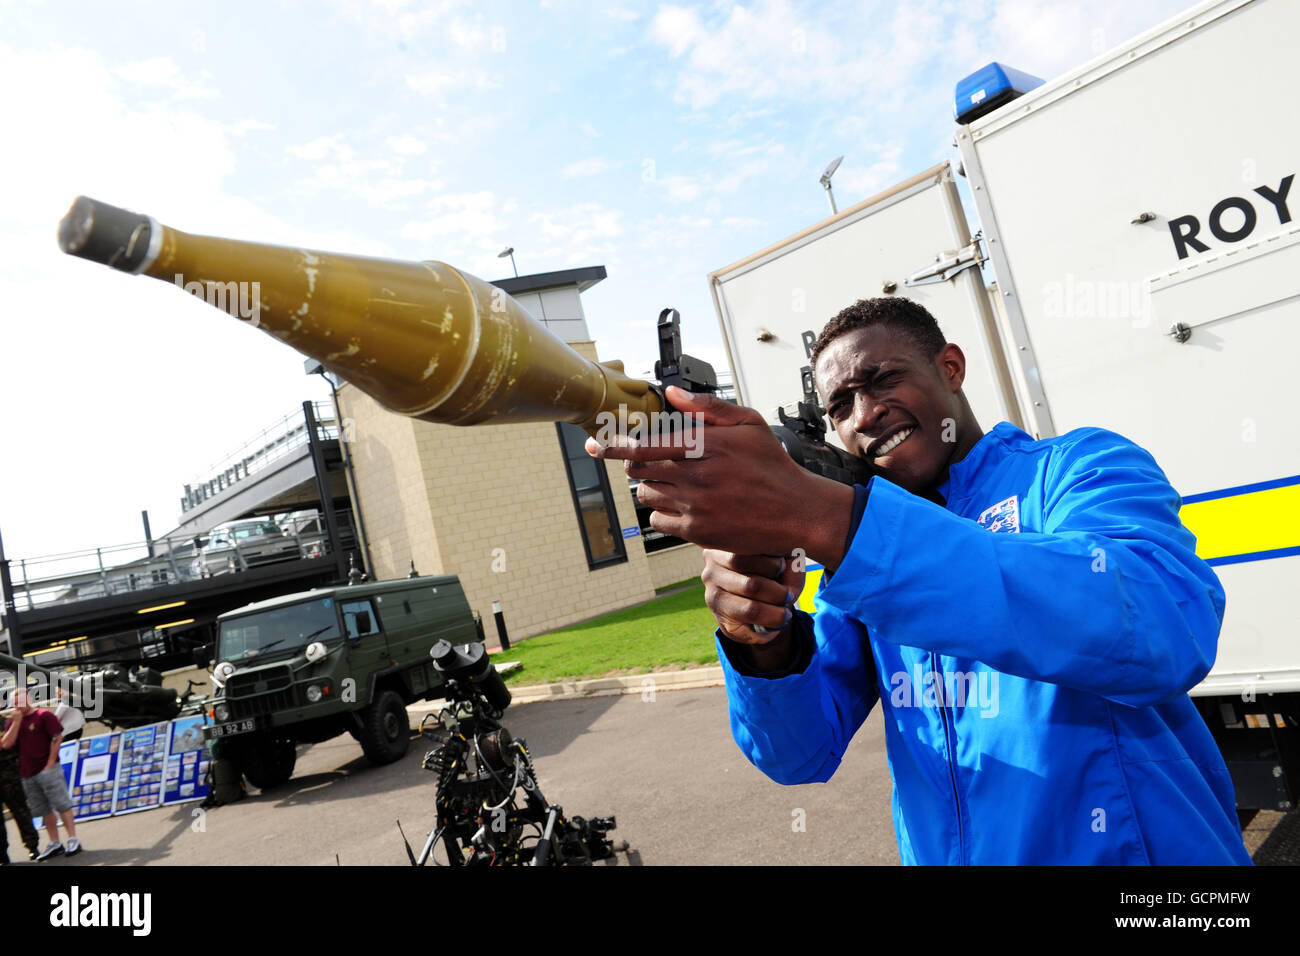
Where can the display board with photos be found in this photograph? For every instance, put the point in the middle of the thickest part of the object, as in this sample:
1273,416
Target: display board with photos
187,762
94,776
140,778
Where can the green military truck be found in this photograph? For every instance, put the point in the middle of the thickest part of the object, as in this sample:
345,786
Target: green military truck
303,668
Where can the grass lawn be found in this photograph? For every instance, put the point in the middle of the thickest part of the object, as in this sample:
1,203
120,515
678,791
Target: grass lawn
668,633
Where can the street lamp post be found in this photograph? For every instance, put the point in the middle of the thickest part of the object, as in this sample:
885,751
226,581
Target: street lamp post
826,181
509,251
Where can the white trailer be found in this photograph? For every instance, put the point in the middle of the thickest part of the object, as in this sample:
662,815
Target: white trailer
1137,214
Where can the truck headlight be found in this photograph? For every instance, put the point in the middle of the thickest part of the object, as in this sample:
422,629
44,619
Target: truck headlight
221,712
313,693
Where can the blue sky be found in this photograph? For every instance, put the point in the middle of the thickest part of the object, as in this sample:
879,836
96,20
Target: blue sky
661,141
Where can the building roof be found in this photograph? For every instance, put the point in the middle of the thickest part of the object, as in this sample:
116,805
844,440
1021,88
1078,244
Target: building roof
343,591
583,278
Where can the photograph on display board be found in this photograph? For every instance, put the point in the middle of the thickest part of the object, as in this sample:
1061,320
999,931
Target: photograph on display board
187,763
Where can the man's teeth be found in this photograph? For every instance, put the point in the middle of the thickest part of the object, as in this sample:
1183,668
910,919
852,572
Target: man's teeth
893,443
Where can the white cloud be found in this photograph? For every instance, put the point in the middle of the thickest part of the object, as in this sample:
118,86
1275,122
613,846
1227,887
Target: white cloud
159,71
677,28
240,127
1049,37
878,54
321,147
593,166
580,223
379,180
854,182
770,50
589,130
396,19
438,83
621,13
678,188
583,233
163,72
463,215
406,145
386,191
476,37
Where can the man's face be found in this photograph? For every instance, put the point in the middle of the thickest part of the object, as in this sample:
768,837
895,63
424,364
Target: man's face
22,701
893,406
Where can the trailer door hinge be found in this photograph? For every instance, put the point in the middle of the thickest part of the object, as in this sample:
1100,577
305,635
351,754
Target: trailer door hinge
948,264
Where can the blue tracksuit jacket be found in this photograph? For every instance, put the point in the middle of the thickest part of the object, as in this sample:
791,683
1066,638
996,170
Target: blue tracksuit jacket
1031,646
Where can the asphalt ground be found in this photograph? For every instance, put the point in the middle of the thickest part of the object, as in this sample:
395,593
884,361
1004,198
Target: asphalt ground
666,768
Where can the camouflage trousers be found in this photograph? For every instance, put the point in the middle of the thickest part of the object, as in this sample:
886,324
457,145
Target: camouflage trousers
11,794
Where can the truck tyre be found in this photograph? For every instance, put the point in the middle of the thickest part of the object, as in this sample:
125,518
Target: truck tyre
386,736
269,763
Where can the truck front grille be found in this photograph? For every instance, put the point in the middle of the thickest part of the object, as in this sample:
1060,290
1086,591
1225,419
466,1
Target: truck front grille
260,692
242,708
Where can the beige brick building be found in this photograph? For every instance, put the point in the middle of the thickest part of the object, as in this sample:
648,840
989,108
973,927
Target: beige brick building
517,511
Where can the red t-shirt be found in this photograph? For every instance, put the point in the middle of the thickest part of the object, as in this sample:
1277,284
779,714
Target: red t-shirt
39,728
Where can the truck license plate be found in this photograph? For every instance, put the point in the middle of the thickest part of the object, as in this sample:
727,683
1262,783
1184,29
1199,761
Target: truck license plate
232,728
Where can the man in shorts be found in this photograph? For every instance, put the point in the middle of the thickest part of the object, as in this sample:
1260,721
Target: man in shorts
37,733
13,798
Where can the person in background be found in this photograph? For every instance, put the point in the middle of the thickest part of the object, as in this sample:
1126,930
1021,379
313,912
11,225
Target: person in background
36,734
70,717
12,797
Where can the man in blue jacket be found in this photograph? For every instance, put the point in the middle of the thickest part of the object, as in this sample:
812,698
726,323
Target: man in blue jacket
1029,615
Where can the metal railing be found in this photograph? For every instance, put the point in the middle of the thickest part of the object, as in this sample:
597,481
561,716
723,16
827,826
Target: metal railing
272,444
146,565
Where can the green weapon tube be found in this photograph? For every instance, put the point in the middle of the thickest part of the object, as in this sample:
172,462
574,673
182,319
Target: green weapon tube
421,338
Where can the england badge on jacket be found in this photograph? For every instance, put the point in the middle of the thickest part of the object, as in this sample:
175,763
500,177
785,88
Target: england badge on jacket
1003,516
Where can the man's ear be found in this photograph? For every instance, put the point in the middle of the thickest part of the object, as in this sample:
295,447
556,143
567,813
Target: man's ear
951,364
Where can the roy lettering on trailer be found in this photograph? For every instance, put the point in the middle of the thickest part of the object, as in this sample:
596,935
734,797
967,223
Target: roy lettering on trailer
1232,219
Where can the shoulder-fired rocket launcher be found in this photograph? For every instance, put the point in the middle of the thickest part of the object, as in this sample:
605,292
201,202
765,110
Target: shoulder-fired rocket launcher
421,338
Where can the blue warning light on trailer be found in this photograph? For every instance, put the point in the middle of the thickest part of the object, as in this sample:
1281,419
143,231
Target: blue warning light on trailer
988,88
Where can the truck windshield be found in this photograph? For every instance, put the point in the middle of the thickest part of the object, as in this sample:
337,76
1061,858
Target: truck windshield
282,629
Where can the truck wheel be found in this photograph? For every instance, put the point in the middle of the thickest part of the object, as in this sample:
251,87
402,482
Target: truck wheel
387,733
270,763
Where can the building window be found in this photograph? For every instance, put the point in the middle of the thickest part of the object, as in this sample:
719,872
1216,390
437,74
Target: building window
592,500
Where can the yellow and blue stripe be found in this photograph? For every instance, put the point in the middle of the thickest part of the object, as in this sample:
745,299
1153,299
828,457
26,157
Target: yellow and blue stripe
1245,523
1232,525
811,581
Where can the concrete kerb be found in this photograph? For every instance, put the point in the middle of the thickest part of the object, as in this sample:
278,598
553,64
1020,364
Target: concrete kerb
599,687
